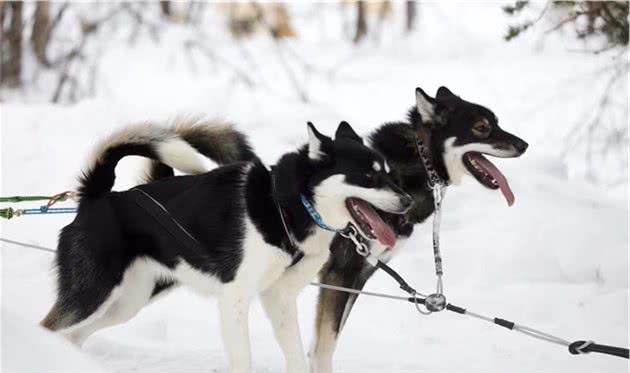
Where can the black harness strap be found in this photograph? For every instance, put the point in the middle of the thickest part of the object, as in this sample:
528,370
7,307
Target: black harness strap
180,234
162,216
296,253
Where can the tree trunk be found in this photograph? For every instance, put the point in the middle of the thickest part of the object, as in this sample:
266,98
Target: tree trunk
361,30
411,15
11,45
40,35
166,8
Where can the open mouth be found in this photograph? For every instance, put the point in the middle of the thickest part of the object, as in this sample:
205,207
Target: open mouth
487,174
370,224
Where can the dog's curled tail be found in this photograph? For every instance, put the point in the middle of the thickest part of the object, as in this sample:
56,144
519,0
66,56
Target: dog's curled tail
214,139
145,140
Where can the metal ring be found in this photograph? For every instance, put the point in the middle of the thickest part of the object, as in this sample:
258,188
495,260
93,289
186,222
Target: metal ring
415,302
435,302
348,230
363,249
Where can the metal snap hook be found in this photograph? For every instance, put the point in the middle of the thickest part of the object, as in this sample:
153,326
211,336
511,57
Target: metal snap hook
351,233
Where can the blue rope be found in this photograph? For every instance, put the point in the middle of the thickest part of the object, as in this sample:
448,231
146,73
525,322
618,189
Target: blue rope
50,210
316,217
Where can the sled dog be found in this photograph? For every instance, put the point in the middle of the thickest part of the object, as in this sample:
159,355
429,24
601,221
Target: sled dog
116,256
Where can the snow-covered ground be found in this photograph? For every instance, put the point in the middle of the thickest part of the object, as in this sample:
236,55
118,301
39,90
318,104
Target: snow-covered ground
557,260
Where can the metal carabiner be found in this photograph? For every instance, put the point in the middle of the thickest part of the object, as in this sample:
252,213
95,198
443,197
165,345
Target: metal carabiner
351,233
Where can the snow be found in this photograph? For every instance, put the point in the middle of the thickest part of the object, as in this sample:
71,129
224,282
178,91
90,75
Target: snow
557,260
46,352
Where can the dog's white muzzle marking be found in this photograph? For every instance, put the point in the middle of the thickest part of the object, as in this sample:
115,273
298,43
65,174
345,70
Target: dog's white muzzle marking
454,157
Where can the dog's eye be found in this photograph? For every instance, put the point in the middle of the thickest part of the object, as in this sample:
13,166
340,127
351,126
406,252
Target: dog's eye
481,129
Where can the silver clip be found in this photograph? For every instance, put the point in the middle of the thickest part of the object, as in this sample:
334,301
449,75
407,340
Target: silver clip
351,234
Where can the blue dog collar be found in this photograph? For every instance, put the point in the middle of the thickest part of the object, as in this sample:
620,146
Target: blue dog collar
316,217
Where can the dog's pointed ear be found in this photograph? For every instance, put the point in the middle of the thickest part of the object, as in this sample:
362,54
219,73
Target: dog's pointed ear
316,142
345,131
444,93
426,107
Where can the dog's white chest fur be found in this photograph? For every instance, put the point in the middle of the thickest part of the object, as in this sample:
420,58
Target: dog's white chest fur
262,263
261,266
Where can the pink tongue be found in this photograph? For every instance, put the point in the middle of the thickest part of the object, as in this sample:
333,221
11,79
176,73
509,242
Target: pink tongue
496,174
384,234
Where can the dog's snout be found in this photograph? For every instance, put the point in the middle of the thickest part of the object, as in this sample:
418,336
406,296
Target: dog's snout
521,146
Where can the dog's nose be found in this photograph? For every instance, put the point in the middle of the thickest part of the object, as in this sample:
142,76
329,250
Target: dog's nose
521,146
406,201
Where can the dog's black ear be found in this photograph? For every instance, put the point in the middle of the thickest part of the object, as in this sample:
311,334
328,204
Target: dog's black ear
345,131
444,93
317,143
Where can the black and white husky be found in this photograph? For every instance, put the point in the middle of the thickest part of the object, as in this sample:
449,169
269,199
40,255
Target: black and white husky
457,134
115,257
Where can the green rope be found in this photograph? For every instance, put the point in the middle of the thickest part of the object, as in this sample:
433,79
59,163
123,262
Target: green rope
24,198
51,199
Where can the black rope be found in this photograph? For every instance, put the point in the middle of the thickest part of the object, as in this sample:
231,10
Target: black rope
575,348
583,347
398,278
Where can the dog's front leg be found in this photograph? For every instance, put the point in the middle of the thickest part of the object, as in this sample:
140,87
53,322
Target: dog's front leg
281,308
234,310
333,307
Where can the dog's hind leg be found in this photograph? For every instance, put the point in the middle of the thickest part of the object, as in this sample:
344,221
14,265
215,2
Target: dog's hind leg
122,303
134,292
73,313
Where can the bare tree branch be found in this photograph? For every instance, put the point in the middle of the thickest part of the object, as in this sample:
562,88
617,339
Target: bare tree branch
301,92
238,72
